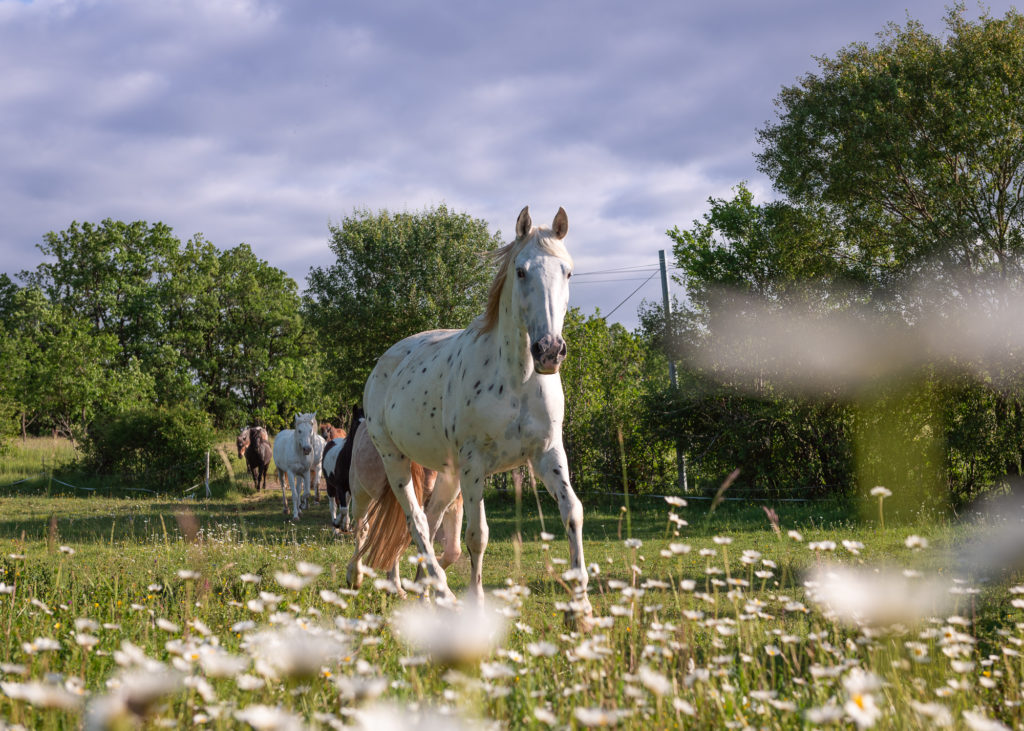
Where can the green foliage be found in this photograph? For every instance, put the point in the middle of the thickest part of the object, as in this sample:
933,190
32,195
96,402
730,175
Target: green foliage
901,164
159,449
915,144
396,274
128,304
606,374
245,344
62,371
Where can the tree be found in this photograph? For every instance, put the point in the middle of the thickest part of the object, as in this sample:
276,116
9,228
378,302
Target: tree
396,274
65,374
743,254
108,275
606,375
244,344
916,147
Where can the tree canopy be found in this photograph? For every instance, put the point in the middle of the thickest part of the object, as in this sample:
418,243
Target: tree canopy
395,274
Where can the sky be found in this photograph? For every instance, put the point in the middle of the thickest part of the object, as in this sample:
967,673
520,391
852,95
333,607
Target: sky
265,122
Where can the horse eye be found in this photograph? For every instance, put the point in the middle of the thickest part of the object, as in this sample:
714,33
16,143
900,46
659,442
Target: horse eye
568,275
521,273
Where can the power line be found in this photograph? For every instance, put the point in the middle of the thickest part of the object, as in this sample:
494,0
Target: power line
631,294
606,281
639,267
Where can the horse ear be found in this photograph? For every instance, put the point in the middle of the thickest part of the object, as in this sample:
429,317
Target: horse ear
561,224
524,224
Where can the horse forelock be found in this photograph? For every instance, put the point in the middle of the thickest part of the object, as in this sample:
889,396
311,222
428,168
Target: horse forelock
505,259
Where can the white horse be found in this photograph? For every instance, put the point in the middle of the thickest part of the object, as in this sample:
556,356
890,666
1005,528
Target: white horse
295,454
469,403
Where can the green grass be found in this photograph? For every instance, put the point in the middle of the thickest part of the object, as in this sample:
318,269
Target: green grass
746,661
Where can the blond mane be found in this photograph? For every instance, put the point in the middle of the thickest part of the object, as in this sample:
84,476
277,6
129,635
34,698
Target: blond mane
504,259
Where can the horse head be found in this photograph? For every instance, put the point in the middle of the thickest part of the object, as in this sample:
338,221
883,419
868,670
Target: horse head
242,442
542,269
305,427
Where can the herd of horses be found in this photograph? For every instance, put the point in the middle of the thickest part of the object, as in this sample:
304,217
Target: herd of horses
442,410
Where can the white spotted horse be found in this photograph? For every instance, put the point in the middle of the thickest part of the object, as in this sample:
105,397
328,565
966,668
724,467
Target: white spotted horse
473,402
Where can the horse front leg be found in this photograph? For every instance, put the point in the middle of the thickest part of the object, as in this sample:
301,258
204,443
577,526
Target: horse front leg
472,483
553,470
299,481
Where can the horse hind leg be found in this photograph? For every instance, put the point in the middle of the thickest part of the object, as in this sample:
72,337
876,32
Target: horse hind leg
345,508
399,472
359,502
282,477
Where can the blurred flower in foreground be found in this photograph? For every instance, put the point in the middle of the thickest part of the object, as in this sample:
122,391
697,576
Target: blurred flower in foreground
135,695
876,598
42,695
294,652
268,718
860,704
811,352
451,636
593,717
388,717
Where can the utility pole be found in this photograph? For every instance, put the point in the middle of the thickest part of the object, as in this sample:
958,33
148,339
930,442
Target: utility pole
680,457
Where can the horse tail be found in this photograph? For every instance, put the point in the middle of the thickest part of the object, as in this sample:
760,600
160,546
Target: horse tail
388,532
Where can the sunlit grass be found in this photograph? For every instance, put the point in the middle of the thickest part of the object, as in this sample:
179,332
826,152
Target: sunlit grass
703,621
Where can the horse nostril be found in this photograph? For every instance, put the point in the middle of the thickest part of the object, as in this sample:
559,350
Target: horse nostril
535,349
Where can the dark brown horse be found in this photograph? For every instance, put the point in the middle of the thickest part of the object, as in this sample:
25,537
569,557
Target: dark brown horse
254,446
336,462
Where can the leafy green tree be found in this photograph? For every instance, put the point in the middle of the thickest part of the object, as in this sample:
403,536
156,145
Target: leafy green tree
67,374
913,149
107,274
395,274
767,255
242,337
915,146
606,375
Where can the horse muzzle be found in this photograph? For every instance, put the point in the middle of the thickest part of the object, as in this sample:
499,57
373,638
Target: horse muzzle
307,450
548,353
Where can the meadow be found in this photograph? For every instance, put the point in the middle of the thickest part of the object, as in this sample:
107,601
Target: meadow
119,609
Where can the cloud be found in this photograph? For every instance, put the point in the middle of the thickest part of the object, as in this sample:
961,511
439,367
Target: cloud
261,121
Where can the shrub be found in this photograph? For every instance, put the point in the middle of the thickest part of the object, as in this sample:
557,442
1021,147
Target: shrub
164,448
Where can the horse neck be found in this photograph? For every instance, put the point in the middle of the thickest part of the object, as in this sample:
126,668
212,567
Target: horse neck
510,330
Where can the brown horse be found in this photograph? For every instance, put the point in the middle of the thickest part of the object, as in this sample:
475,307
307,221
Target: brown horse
254,446
381,531
330,432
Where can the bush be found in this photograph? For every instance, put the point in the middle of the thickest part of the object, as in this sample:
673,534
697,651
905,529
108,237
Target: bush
163,448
